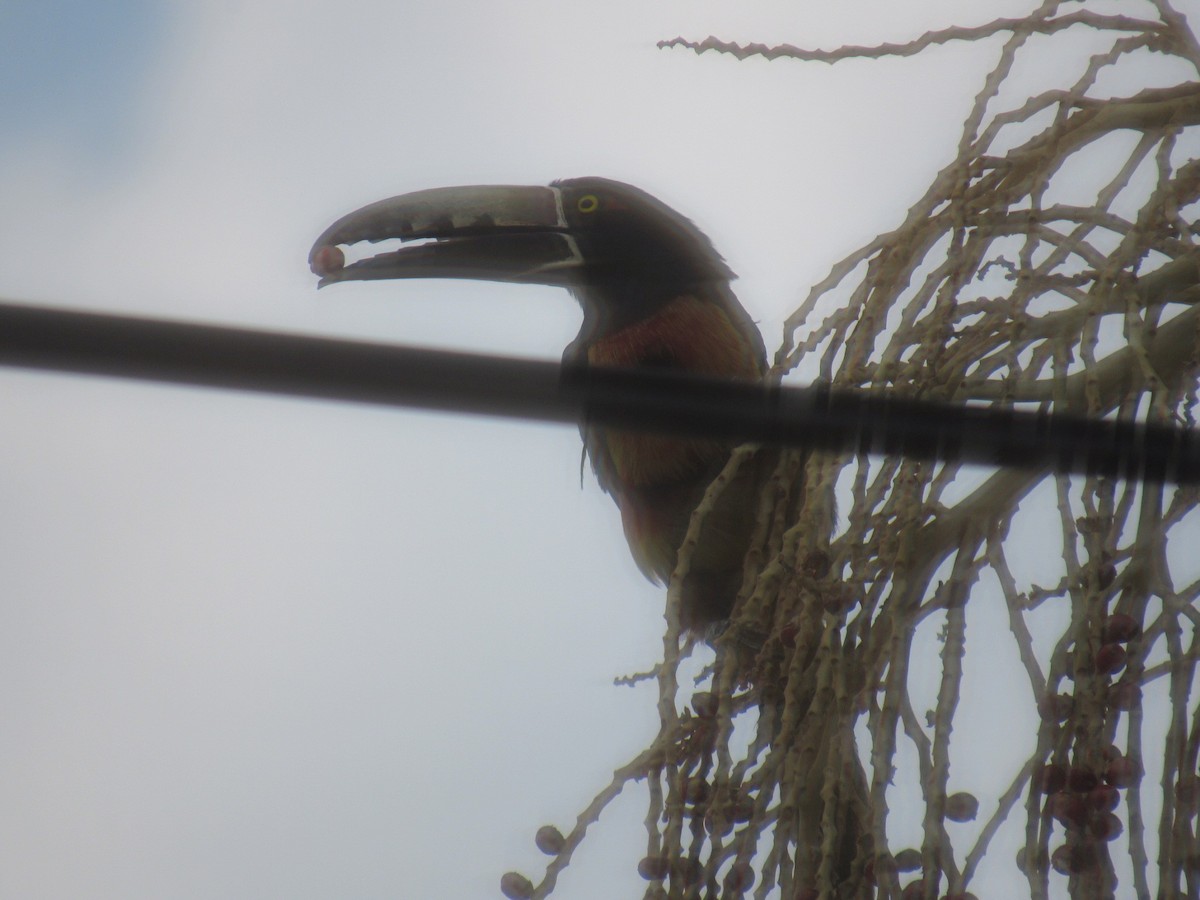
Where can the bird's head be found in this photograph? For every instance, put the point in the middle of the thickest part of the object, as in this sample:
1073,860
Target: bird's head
618,249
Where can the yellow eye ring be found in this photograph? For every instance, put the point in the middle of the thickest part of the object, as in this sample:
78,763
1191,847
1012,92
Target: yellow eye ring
588,203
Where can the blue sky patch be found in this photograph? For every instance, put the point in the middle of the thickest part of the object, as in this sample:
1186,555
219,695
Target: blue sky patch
75,70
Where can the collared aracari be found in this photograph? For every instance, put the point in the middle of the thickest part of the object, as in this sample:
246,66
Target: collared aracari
654,292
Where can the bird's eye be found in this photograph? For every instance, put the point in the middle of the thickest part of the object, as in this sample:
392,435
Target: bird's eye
588,203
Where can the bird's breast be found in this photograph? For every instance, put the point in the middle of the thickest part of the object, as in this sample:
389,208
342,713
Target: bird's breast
687,334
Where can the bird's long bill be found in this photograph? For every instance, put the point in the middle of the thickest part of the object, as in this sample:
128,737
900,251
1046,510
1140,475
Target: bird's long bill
490,232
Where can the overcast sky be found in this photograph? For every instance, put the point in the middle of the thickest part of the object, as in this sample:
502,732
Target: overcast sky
259,647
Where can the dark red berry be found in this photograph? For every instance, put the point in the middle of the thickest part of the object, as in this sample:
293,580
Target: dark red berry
1121,772
1106,575
1062,860
653,868
838,600
1081,779
1119,628
1103,798
549,840
1110,658
326,260
1123,695
1071,860
1069,665
516,886
1056,707
961,807
1109,753
1023,858
1070,809
914,890
908,860
1105,827
816,564
1051,778
787,634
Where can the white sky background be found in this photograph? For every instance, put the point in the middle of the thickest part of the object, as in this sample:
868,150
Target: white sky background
270,648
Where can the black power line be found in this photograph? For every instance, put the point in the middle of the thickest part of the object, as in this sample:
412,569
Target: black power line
643,399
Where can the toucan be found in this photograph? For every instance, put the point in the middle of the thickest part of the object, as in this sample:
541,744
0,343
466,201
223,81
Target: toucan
654,293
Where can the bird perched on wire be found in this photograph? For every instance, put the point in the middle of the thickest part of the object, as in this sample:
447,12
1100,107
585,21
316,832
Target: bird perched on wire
654,293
